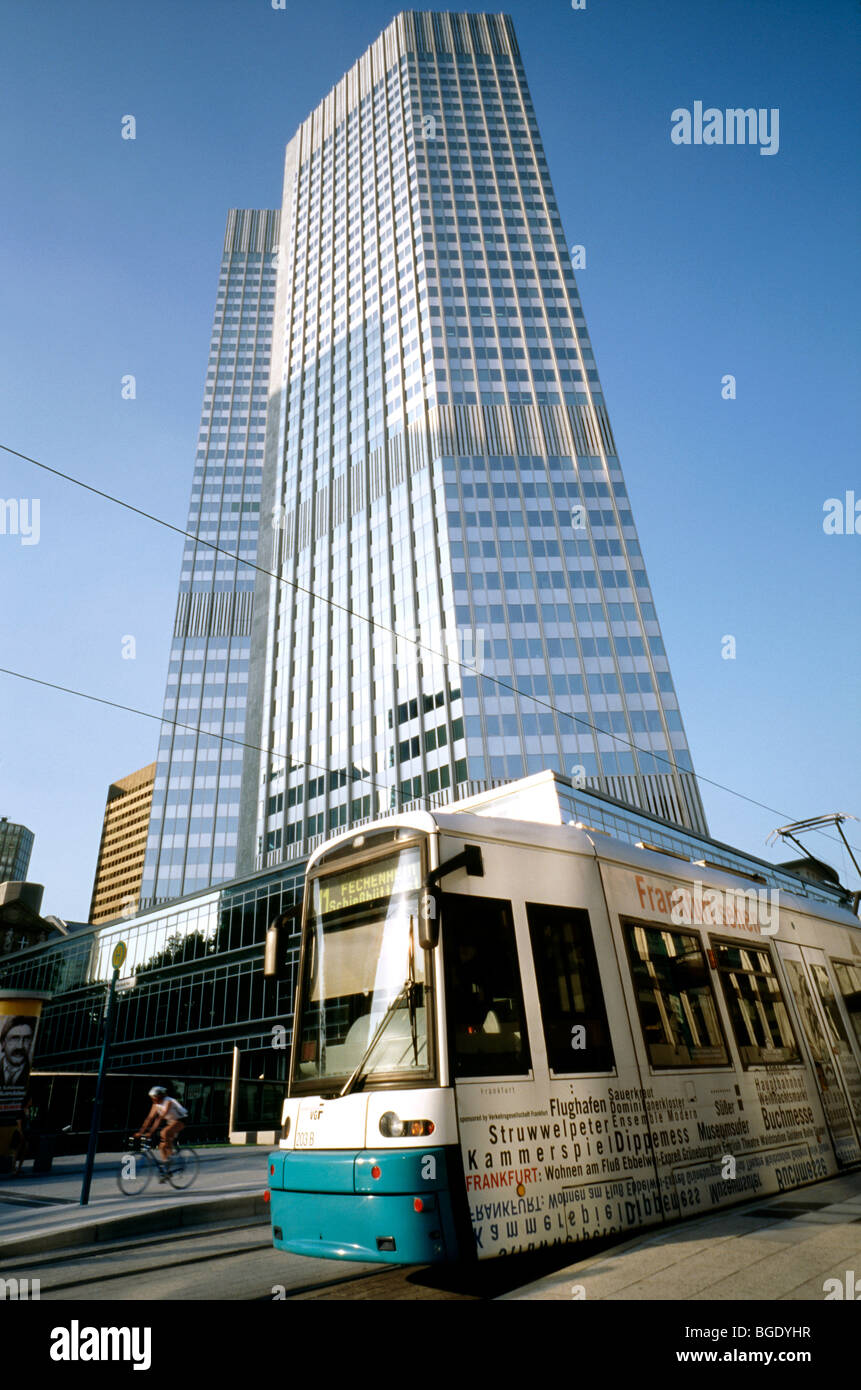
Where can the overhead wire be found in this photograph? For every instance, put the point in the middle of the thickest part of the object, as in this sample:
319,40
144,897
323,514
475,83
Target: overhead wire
347,609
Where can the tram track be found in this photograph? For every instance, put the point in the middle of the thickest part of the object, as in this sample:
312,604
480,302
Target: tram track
382,1283
94,1249
399,1283
126,1250
125,1273
144,1262
303,1291
145,1259
207,1262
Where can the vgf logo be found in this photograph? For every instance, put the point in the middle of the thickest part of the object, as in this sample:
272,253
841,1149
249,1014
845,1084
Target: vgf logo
17,1289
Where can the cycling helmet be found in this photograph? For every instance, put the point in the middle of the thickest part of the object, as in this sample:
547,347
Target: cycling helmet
158,1092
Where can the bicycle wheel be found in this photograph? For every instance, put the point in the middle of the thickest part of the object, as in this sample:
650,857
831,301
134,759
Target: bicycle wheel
184,1168
134,1174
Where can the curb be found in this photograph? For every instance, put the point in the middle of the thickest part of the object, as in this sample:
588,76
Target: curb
91,1232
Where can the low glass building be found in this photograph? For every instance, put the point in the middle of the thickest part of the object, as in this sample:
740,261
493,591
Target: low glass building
191,988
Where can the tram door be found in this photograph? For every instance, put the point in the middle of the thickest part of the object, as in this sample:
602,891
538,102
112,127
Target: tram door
819,1029
836,1031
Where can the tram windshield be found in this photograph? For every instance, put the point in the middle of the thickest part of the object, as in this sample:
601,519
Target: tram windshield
364,991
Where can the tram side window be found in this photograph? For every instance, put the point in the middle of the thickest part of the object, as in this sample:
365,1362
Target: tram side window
678,1010
849,983
572,1003
829,1004
484,998
757,1009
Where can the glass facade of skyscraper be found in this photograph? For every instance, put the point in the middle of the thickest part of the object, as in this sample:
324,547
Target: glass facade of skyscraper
195,808
16,846
440,465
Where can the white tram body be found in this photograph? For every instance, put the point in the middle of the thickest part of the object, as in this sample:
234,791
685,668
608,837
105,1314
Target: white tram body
603,1038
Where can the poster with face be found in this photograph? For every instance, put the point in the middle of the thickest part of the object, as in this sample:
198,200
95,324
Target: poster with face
19,1020
17,1035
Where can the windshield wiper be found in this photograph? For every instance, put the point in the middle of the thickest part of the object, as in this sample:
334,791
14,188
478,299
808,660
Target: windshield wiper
411,996
406,988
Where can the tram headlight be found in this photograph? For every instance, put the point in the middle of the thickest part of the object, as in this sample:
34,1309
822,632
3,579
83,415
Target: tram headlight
393,1127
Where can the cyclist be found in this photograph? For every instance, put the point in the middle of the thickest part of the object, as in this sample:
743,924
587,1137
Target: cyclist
169,1111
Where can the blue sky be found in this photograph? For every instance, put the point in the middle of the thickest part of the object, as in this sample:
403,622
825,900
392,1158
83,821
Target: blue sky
700,262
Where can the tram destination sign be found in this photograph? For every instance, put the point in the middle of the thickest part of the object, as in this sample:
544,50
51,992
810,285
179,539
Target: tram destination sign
380,880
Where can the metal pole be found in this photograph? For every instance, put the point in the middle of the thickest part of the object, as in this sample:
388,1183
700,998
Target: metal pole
100,1091
848,846
234,1095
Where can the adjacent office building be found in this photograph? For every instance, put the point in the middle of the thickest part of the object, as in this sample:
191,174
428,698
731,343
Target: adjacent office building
16,846
119,868
449,590
195,806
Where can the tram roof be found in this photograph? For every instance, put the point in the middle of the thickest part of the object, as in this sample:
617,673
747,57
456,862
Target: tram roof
530,812
570,839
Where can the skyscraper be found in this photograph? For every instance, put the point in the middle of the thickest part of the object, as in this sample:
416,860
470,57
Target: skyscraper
119,867
440,460
195,806
16,846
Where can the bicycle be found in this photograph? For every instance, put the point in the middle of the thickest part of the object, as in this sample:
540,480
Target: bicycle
136,1170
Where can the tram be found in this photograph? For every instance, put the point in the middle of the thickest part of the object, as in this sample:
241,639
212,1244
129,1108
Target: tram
510,1035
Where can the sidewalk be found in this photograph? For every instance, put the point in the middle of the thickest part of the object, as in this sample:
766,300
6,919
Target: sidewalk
43,1212
784,1249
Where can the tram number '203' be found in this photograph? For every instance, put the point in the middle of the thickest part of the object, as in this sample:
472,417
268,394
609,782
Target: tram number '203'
305,1138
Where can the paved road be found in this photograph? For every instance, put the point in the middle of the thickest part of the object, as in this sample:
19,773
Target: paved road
781,1248
235,1261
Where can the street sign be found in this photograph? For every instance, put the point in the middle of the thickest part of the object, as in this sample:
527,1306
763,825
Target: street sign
117,958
